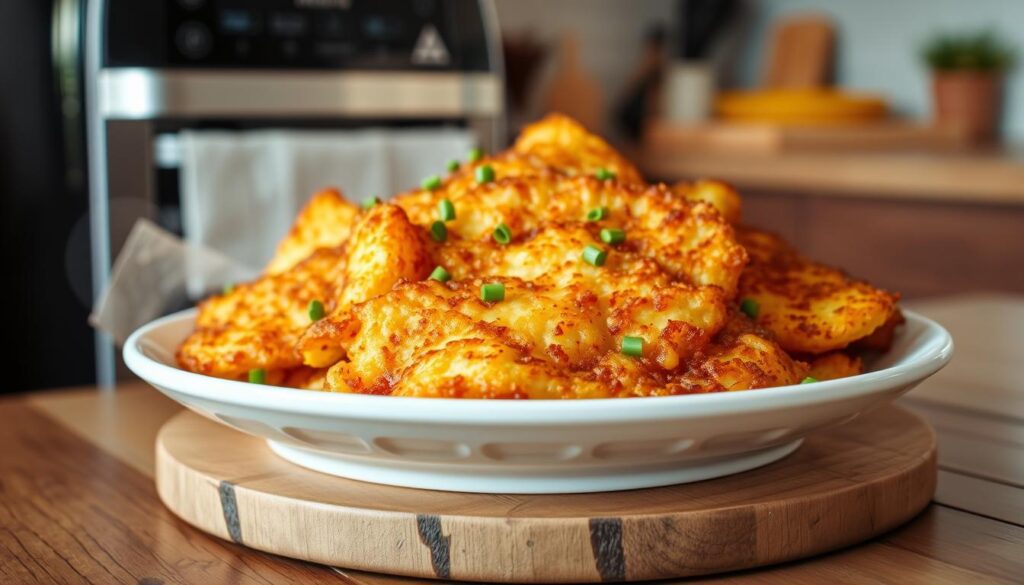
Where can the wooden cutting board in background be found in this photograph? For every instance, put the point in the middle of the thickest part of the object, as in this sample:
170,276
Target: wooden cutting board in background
844,485
800,53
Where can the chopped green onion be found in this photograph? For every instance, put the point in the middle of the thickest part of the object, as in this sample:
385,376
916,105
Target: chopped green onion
446,209
750,308
257,376
431,183
613,236
228,288
633,346
594,255
316,310
809,380
484,174
475,154
604,174
440,274
438,231
597,213
492,292
502,234
370,202
453,165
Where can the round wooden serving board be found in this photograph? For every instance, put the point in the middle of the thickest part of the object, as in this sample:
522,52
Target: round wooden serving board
844,485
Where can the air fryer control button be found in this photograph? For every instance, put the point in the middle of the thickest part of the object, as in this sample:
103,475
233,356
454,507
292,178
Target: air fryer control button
288,24
193,40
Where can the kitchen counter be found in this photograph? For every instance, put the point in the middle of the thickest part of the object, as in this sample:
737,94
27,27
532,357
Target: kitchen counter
79,505
994,176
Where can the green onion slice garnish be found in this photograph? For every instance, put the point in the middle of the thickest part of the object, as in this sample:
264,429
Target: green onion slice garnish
502,234
431,183
438,231
492,292
453,165
633,346
597,213
316,310
370,202
475,154
484,174
594,255
440,274
613,236
446,209
750,307
604,174
809,380
257,376
228,288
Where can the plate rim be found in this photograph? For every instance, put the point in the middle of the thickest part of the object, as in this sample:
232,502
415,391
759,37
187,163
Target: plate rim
936,342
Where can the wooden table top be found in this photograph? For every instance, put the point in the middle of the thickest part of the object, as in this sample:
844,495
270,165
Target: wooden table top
78,504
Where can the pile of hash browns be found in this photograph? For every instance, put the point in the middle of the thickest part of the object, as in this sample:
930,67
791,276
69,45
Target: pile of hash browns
689,300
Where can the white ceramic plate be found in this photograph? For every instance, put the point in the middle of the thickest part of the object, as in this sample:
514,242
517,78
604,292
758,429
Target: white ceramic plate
538,446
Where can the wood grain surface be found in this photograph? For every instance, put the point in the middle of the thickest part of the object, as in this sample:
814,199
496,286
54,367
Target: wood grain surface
981,432
112,528
942,546
71,513
843,486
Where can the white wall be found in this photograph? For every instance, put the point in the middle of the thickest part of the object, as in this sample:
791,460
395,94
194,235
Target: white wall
879,43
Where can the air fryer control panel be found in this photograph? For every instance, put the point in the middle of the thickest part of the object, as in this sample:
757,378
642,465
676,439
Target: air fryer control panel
445,35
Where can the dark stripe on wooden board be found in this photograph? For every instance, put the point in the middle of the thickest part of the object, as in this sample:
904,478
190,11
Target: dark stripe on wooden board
229,505
429,527
606,542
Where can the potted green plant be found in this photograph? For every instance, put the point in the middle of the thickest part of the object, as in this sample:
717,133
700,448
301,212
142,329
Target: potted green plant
967,79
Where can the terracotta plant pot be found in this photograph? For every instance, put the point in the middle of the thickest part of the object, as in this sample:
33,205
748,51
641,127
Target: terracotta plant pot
968,102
